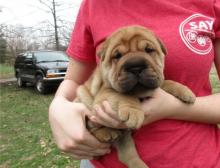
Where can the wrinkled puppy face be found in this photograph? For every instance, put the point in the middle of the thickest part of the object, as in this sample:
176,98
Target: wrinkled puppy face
132,60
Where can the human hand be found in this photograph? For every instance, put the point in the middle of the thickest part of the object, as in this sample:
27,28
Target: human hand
104,115
161,105
67,120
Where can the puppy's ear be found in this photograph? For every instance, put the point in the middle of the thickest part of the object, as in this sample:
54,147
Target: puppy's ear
163,48
102,50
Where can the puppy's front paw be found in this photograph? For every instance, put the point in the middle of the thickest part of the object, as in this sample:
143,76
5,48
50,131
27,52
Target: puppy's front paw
108,135
186,95
133,118
179,90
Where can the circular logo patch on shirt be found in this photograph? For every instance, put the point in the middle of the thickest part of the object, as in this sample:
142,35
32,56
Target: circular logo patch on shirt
196,32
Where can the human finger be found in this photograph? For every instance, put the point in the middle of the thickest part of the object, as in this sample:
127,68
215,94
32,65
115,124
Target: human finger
103,118
108,109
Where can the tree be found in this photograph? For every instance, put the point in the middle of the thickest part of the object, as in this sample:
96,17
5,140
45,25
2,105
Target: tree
3,50
58,23
17,38
14,40
43,35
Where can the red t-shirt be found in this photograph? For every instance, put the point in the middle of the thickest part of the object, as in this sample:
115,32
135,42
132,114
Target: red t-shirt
188,29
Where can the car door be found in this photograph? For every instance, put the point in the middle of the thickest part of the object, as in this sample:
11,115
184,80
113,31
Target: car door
29,67
19,65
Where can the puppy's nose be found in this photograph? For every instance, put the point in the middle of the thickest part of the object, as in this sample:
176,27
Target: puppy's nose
136,69
135,66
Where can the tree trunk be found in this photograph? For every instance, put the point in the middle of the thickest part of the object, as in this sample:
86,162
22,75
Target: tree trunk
55,26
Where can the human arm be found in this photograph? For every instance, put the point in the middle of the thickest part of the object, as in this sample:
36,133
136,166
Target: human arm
67,119
164,106
206,109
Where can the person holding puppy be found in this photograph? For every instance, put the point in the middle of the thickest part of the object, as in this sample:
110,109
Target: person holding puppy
174,134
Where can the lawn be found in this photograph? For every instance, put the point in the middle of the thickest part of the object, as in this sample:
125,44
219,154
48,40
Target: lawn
215,81
6,71
25,136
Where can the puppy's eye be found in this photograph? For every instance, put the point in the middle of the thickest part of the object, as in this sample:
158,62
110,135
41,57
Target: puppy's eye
149,50
117,55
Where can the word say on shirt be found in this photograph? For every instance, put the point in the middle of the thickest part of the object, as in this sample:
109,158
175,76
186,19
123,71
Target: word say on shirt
196,32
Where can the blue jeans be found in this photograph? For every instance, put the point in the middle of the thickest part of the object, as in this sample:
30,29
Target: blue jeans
86,164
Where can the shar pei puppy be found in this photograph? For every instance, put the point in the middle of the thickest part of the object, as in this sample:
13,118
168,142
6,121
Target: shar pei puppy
131,68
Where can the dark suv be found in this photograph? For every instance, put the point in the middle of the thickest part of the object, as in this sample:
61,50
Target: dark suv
41,68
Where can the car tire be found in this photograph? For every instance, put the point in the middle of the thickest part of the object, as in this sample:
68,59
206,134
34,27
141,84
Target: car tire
40,86
20,82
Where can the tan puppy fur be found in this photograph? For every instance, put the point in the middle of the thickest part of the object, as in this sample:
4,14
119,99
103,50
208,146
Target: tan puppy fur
131,67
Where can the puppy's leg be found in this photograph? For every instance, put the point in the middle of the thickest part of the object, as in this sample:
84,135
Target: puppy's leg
180,91
84,96
106,134
127,152
103,134
128,108
129,111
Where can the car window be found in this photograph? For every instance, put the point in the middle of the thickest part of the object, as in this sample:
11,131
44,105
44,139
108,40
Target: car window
51,57
20,58
28,55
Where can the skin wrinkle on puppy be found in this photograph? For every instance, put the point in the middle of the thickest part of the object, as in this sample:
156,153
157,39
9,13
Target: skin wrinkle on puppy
144,73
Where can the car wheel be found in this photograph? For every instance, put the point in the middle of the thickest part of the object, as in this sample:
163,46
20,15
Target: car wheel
40,86
20,82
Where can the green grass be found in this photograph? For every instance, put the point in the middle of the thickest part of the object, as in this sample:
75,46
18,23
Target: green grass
6,71
215,81
25,136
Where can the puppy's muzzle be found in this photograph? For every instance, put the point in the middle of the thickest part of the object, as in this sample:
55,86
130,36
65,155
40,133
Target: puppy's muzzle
137,73
135,66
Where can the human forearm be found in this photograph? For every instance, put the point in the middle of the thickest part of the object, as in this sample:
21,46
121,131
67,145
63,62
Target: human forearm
206,109
165,106
67,90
